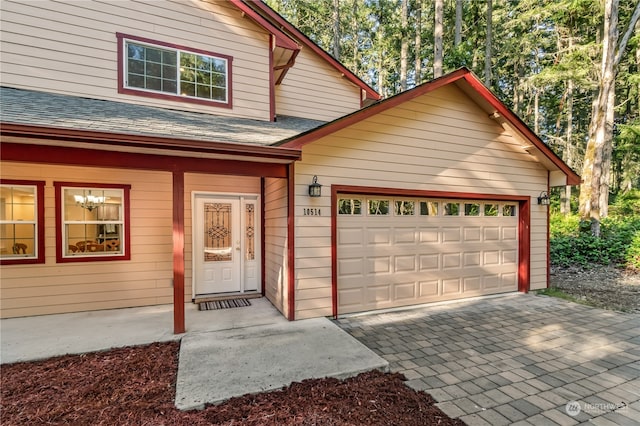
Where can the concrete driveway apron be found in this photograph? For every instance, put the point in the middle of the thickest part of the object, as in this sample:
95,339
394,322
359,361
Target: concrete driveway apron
517,359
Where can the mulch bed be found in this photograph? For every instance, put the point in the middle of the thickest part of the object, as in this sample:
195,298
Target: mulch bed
136,386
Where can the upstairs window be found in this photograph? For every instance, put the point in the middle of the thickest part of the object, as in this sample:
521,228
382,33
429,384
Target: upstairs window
21,222
150,68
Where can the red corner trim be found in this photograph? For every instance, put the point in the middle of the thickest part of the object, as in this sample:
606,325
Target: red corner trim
272,84
40,252
524,246
334,250
291,218
263,244
178,253
283,23
126,189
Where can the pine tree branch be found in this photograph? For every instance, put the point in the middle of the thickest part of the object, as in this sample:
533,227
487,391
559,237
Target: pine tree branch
627,35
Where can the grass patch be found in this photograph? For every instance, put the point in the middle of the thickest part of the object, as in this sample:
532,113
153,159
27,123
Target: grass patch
556,292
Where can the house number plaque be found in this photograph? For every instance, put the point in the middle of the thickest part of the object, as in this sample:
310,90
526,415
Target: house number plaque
311,212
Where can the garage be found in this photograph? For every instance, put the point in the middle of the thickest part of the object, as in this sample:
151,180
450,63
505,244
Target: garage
399,251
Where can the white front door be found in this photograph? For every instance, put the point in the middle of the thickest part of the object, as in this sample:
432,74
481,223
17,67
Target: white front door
225,247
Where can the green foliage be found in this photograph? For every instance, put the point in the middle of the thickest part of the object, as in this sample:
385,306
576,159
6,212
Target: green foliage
572,243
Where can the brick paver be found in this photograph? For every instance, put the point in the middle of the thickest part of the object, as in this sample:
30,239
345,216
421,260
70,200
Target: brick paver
517,359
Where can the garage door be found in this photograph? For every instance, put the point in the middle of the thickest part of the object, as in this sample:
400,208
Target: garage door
402,251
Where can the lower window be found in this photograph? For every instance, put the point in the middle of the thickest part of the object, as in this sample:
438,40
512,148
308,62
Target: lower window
92,222
21,222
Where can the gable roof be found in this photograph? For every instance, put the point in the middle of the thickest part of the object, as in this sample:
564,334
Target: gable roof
471,85
284,32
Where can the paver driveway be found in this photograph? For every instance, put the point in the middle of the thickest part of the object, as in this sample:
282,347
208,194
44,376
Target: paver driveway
518,359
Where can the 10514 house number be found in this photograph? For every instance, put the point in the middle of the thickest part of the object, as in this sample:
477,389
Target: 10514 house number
311,212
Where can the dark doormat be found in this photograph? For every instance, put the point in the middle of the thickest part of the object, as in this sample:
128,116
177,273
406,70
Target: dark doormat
223,304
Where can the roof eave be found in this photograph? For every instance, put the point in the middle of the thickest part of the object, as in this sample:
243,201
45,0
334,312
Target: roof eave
102,140
260,6
462,74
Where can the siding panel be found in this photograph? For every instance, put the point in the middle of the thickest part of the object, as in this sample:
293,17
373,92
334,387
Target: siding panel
413,146
67,287
71,48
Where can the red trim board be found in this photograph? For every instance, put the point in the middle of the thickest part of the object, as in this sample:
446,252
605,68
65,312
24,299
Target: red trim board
291,241
524,220
178,253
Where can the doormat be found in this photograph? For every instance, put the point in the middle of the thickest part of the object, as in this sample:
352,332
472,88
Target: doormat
223,304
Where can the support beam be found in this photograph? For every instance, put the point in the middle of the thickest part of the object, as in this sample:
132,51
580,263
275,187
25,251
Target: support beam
178,252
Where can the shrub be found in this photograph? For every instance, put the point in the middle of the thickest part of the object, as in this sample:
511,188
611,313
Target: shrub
573,244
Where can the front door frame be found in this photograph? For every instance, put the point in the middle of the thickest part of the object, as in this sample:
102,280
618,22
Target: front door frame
257,228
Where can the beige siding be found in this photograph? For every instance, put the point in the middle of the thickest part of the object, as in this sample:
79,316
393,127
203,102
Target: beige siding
211,184
71,48
275,241
53,287
439,142
313,89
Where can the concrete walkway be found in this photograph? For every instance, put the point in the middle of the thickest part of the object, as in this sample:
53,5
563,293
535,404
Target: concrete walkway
519,359
225,353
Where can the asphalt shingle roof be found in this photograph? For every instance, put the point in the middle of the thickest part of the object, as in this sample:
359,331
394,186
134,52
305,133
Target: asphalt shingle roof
29,107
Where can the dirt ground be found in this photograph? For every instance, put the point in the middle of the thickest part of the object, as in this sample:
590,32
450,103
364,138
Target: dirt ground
603,286
136,386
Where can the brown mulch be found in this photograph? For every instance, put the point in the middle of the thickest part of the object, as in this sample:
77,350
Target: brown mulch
136,386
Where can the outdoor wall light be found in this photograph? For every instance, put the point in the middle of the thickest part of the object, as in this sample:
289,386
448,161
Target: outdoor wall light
315,189
544,199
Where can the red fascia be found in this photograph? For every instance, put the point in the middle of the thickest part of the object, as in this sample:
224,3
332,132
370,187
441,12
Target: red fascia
371,94
515,121
144,141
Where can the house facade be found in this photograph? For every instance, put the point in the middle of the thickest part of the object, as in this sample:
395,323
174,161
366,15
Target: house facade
162,152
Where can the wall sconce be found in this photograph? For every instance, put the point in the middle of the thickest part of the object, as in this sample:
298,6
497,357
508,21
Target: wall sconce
89,201
544,199
315,189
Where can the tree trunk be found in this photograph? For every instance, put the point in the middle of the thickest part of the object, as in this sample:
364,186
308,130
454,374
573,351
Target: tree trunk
404,46
458,28
437,39
487,54
418,46
356,36
536,111
336,29
601,129
565,204
594,191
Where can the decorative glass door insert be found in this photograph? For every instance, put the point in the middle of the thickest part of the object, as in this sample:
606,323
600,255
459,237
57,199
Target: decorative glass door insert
218,232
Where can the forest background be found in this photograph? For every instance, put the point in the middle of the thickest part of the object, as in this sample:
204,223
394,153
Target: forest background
570,69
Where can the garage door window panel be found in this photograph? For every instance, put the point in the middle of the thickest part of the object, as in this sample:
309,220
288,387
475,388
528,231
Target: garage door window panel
378,207
404,208
452,209
491,210
472,209
428,208
349,206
